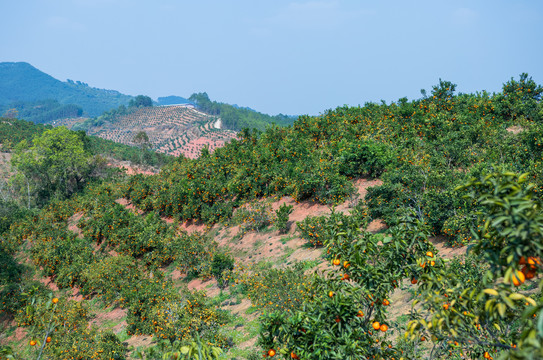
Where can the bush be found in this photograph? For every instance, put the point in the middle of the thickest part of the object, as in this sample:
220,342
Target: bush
222,263
318,229
281,217
271,290
255,216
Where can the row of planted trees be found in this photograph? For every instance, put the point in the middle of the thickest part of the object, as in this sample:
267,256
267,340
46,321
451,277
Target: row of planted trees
118,259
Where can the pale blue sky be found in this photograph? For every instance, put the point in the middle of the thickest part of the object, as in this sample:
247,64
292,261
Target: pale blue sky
277,56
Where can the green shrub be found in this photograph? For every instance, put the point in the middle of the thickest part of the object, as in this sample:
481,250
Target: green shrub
281,217
222,263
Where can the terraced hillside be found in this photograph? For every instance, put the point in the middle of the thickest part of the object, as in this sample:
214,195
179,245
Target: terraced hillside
173,130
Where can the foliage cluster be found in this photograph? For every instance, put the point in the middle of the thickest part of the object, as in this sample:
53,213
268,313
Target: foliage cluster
317,229
271,289
43,111
237,118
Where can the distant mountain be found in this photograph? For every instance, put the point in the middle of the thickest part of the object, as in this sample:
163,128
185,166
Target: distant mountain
173,100
21,82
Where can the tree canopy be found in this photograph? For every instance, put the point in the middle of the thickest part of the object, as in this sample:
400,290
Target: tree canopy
55,165
141,101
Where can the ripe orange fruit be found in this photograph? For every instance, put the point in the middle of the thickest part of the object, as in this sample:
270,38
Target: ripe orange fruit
376,325
294,356
522,260
445,306
430,254
529,274
345,277
346,264
338,319
55,300
33,342
518,278
48,340
383,328
414,281
432,263
336,262
386,302
486,355
532,261
360,313
271,352
331,294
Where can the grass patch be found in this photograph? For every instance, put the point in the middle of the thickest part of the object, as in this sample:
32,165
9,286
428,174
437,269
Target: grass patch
286,239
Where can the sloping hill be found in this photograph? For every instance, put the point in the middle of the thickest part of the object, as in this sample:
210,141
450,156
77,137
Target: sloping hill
173,130
21,82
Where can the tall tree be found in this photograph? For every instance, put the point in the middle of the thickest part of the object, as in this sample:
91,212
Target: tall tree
141,101
142,140
56,165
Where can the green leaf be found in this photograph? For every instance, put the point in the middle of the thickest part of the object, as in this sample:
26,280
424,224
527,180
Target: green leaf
516,296
490,292
501,309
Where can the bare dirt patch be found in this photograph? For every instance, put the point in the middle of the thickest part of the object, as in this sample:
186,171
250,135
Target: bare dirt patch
440,242
515,129
72,224
113,316
17,337
210,286
376,226
47,281
130,168
75,295
128,205
139,340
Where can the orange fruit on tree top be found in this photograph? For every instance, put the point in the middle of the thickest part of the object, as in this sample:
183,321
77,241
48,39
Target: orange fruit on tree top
294,356
48,340
271,352
383,327
386,302
346,264
376,325
336,262
55,300
430,254
414,281
331,294
33,342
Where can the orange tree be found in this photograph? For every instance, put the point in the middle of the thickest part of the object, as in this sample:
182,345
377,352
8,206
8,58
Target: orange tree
275,289
60,329
347,318
492,315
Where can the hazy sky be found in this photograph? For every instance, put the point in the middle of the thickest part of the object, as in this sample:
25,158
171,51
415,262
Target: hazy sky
277,56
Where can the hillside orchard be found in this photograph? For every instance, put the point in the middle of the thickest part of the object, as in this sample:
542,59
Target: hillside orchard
464,168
